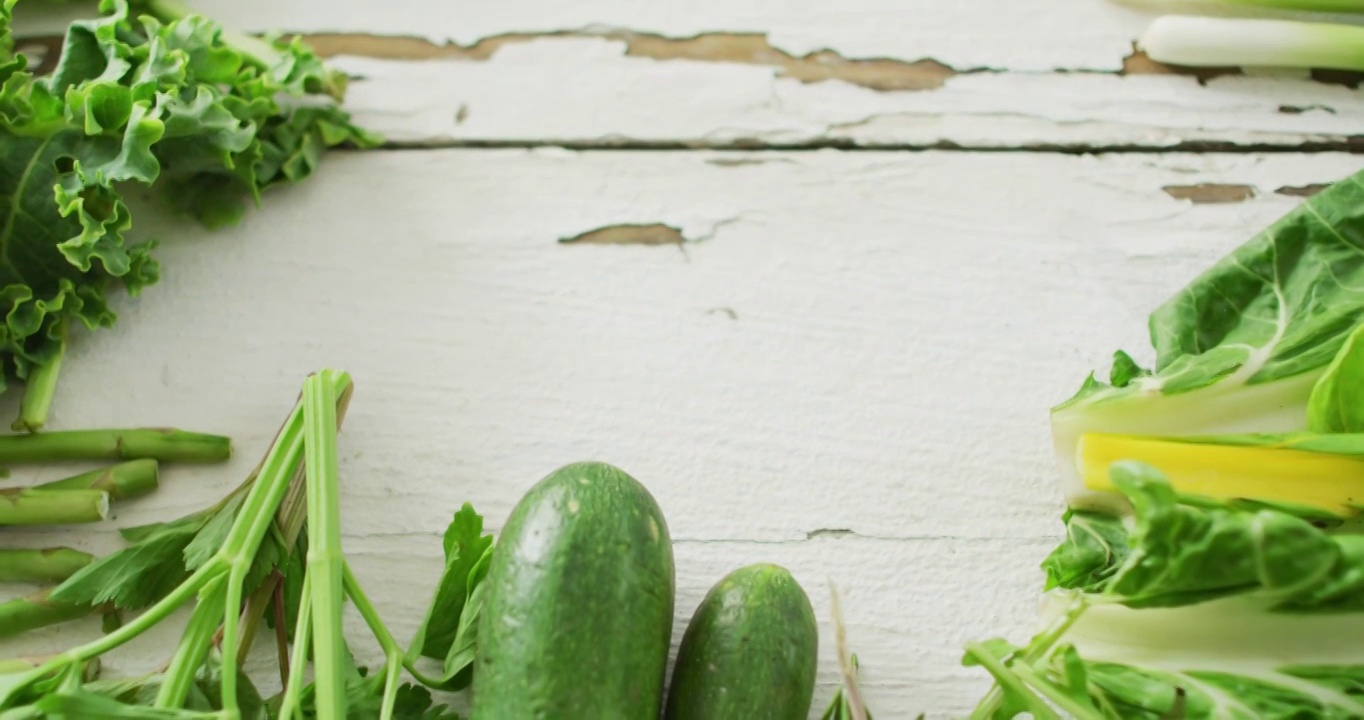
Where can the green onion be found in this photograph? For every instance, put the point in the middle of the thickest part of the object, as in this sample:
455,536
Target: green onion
1234,42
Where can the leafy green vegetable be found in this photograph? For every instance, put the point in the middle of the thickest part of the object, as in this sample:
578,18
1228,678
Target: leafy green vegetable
137,576
1094,549
162,557
1241,345
219,581
1097,690
1215,568
166,99
1177,554
1239,350
449,628
1333,406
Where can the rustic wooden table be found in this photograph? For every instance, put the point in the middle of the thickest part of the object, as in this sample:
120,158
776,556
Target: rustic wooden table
812,271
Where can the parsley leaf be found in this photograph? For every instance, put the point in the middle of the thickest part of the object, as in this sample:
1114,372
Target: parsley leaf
447,631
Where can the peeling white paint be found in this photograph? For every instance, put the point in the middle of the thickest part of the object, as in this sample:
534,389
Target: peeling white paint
1073,34
902,323
576,90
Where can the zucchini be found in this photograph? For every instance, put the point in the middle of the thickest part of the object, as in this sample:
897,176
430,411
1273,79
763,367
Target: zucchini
749,652
578,612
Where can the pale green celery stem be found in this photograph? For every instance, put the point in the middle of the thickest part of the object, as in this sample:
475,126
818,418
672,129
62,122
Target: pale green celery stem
293,510
259,509
52,507
1011,681
394,657
1040,648
244,538
193,647
325,558
89,671
122,481
41,565
1235,42
299,661
40,388
1076,711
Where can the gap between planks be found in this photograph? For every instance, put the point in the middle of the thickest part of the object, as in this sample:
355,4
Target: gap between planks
1352,146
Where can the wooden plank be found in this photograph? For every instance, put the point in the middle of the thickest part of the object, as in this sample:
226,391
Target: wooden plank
845,364
592,92
1071,34
980,74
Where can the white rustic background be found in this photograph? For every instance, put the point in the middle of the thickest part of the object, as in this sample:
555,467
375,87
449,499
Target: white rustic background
835,261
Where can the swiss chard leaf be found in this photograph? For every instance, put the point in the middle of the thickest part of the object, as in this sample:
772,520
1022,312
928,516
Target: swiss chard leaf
1336,404
1280,305
1241,346
1184,555
1179,553
1094,548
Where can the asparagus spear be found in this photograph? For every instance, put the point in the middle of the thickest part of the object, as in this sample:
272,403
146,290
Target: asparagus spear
41,565
164,444
37,610
25,506
130,479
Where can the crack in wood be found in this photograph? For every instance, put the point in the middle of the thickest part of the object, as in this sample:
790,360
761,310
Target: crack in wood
1353,144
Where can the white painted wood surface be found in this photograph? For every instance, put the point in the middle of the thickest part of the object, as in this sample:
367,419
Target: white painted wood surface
1072,34
900,324
1017,75
588,91
845,368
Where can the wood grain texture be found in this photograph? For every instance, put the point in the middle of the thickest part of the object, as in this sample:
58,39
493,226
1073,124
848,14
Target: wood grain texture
591,92
719,73
845,367
1070,34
